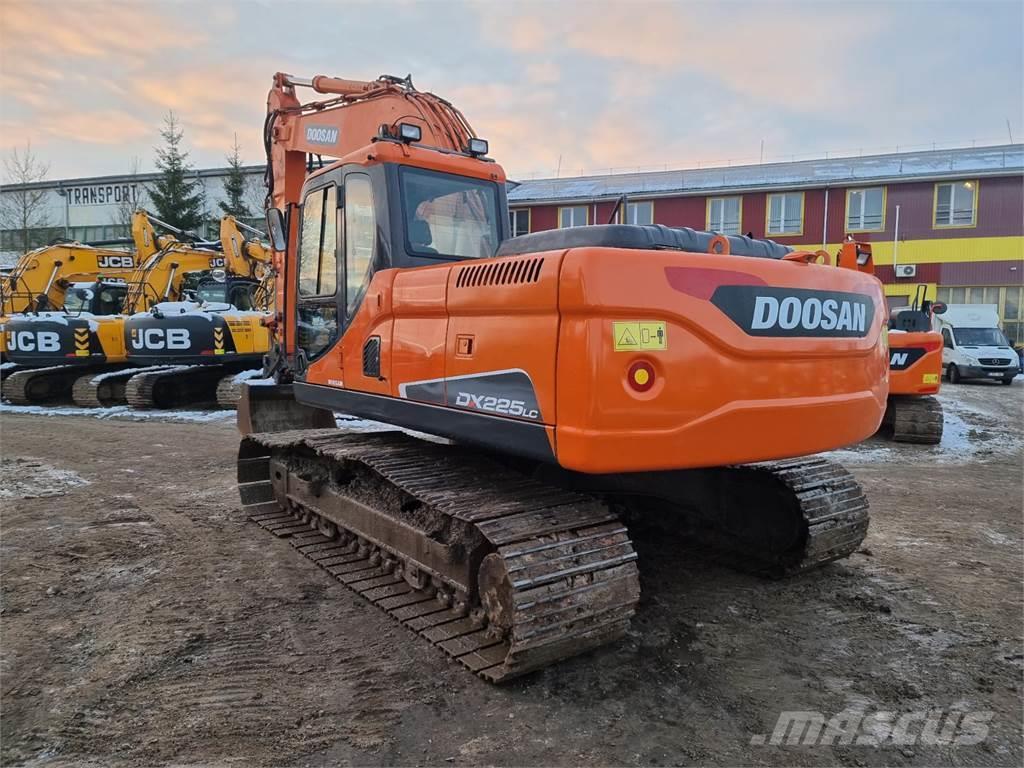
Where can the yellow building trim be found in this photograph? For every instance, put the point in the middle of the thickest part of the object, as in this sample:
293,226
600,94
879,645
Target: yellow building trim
909,289
974,202
529,218
768,215
942,250
562,209
739,216
620,217
846,216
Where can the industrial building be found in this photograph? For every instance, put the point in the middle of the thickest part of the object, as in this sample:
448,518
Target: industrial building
950,219
100,208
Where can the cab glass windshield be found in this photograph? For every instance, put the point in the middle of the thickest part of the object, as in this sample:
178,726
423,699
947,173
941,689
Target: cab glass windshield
449,216
211,292
78,300
980,337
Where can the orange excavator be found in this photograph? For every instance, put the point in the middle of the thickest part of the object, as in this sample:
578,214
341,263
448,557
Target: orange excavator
914,415
581,377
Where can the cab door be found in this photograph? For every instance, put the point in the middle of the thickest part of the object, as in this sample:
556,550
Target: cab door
317,295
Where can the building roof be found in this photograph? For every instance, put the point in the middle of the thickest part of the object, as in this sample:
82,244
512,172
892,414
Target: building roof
1001,160
127,178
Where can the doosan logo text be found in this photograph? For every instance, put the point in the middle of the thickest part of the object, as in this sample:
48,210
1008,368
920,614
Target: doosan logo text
794,312
809,314
321,134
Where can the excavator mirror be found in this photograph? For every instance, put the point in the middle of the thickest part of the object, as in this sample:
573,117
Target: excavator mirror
275,227
938,308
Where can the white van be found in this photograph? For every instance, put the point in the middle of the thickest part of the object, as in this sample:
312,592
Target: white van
973,347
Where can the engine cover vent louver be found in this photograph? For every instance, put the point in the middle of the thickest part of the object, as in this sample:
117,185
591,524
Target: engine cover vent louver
505,272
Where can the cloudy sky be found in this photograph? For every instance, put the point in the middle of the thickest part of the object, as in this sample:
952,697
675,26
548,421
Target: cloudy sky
571,85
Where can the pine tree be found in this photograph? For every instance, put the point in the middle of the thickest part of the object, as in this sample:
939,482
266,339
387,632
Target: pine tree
177,201
235,186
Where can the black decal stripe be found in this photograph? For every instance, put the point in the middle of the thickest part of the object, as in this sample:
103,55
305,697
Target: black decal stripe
759,311
521,438
902,358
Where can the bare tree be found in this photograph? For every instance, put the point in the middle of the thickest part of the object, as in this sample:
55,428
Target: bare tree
24,208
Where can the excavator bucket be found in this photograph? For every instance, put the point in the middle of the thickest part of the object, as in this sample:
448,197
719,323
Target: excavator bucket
273,408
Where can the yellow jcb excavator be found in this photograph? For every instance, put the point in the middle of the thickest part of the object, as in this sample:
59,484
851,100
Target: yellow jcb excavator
82,352
55,299
212,342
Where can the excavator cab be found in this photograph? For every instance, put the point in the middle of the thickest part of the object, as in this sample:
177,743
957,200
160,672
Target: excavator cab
219,289
357,220
99,298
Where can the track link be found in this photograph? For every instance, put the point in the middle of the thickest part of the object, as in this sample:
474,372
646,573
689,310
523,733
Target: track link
105,389
833,509
174,386
229,390
33,386
501,572
913,419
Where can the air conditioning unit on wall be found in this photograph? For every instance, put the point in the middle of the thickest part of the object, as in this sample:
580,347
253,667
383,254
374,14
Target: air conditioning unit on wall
906,270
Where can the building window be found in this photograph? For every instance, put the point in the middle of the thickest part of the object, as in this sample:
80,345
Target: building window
956,204
572,216
519,221
786,214
724,214
638,213
865,209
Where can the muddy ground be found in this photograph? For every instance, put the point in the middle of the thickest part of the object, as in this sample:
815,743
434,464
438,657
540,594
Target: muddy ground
145,622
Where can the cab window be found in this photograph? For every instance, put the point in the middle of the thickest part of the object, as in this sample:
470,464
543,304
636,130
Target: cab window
947,339
449,216
317,309
110,299
318,266
360,235
240,297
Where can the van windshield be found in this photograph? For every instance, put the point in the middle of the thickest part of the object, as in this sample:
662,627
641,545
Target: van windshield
980,337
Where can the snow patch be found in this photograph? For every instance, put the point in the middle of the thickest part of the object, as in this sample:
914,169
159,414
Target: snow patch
120,412
241,376
29,478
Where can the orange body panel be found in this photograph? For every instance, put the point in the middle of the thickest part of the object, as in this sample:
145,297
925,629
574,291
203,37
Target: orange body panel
915,362
719,395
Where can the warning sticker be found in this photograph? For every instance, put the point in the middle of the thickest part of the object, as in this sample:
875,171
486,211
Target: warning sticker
635,335
930,378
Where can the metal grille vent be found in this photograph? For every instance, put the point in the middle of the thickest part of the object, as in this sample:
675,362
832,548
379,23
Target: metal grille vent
505,272
993,361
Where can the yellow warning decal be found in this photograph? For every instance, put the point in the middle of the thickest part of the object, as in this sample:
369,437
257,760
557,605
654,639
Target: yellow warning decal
634,335
930,378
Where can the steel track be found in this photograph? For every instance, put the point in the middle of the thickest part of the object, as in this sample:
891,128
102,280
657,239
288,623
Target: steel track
914,419
558,578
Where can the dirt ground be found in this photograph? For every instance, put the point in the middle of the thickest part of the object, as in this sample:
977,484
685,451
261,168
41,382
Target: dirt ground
145,622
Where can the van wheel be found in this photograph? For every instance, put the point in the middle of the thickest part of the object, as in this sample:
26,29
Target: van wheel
954,374
1008,381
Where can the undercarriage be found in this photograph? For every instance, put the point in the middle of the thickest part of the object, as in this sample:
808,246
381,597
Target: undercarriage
511,568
